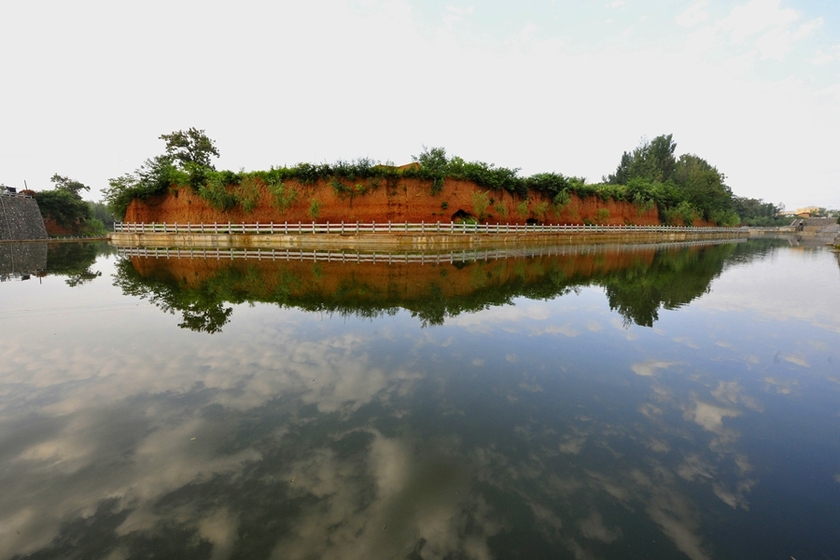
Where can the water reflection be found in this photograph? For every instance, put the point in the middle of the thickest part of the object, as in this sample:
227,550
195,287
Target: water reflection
539,429
21,261
639,280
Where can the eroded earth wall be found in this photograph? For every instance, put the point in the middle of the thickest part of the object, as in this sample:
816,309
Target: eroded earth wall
404,200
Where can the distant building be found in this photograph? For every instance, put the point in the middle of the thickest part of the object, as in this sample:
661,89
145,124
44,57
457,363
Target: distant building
807,212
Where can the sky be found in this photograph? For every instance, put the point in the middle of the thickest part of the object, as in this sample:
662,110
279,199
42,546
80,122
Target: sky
753,87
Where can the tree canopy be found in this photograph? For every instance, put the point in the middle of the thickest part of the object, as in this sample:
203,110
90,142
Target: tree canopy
64,206
191,147
684,188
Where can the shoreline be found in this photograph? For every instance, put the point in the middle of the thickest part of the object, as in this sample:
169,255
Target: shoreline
408,241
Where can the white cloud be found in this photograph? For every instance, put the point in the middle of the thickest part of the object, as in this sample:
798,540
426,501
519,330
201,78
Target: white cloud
454,15
822,58
694,15
710,416
755,17
648,368
778,42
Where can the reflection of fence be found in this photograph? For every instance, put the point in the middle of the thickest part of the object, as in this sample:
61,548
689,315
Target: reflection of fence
396,258
286,228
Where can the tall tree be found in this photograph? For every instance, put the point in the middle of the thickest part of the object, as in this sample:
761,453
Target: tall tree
67,184
190,147
653,161
702,185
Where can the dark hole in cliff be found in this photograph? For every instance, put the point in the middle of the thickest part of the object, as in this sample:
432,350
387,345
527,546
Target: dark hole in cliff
462,216
532,222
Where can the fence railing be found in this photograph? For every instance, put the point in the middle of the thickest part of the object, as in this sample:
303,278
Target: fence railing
352,228
16,195
463,255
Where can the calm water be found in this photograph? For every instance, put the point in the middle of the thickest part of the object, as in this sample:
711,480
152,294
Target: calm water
669,402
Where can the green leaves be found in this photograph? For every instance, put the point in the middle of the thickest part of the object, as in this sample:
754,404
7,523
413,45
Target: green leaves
684,189
190,148
69,185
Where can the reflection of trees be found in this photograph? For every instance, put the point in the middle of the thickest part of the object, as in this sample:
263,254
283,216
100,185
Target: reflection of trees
677,277
637,289
202,309
671,281
74,261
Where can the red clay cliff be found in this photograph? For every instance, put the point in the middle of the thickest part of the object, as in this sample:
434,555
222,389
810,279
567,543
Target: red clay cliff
408,199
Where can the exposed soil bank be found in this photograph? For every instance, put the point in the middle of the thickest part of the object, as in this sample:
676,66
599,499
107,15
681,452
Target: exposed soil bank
396,201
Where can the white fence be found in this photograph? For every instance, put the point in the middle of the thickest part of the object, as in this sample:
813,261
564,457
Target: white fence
389,227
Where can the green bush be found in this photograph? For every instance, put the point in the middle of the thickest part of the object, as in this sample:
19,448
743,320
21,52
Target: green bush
480,203
314,208
282,196
248,194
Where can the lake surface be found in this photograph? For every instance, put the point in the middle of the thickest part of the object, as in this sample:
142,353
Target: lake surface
576,402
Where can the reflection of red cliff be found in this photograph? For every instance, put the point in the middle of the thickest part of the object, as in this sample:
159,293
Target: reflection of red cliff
401,280
404,200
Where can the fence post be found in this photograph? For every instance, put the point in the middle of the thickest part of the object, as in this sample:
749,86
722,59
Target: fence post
342,226
373,227
438,226
357,227
328,226
422,227
389,226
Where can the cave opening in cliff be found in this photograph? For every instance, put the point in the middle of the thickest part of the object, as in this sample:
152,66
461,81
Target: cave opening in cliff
462,216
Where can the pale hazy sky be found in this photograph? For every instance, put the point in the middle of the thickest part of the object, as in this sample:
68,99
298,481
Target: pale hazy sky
86,87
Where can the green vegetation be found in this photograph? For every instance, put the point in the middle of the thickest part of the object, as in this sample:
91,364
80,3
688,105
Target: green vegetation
74,260
314,208
282,196
480,203
756,212
64,206
101,212
683,189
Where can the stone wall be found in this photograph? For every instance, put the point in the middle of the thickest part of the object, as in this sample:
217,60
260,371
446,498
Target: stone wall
20,219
